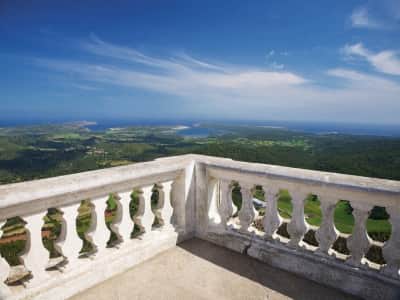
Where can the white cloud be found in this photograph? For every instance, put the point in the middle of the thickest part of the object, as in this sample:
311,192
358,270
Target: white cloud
176,75
220,90
360,18
361,80
387,61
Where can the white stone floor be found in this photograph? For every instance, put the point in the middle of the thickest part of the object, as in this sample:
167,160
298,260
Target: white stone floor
197,269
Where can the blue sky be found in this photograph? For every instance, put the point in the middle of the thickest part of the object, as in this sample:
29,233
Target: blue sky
333,61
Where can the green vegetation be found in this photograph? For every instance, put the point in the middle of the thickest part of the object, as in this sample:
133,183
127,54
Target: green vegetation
44,151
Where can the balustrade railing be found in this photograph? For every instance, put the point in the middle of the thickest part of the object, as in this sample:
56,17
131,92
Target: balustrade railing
362,194
30,202
194,198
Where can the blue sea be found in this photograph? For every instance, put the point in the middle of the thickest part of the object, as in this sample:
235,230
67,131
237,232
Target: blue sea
200,129
197,129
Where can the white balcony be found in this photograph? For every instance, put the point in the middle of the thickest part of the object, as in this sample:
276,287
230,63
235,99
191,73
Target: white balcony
195,209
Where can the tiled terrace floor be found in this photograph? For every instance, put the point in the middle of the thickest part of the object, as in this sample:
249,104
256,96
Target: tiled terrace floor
197,269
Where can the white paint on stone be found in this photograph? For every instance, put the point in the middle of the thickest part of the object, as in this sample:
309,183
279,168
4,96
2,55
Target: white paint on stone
35,257
69,241
124,222
98,234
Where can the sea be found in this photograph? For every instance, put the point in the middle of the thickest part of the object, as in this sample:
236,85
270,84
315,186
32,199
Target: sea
199,128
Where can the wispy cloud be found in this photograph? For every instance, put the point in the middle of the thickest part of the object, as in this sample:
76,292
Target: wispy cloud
387,61
377,14
221,89
85,87
180,75
361,18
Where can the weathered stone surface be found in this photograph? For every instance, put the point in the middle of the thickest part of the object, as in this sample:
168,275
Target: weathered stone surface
123,221
98,233
359,241
297,228
17,273
69,241
247,213
200,270
225,205
367,284
35,256
391,250
327,234
272,219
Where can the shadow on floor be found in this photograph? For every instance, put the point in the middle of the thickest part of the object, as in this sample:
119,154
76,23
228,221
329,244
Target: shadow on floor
283,282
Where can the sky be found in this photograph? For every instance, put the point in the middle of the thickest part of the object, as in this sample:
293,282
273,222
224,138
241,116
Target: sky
322,61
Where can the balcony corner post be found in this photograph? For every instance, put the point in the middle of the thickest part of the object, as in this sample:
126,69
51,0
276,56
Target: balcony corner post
179,218
201,199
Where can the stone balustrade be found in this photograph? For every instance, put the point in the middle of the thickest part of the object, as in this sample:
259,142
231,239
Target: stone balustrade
195,199
57,278
320,263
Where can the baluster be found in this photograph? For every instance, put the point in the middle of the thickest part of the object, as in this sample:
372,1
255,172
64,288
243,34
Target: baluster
272,220
166,210
359,242
327,234
124,221
159,206
4,272
247,213
36,257
144,217
213,194
58,241
297,228
390,250
178,203
69,241
233,208
98,232
113,225
225,207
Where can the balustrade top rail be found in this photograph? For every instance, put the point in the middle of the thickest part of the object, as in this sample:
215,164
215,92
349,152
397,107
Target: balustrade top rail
33,196
303,175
